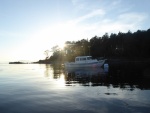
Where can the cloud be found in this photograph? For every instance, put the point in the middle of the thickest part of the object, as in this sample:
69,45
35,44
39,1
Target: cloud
132,17
116,17
123,22
97,12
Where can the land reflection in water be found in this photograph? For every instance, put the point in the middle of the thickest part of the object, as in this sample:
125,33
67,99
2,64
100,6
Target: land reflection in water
125,78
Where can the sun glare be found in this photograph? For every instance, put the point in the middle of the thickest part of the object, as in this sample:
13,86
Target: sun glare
44,39
61,45
61,81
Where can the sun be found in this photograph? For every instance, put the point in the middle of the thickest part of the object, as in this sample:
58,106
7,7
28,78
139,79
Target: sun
61,45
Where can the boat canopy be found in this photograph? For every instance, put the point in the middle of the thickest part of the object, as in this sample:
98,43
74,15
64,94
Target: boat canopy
83,58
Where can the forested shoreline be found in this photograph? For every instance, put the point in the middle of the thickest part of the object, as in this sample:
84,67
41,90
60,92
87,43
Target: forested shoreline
114,46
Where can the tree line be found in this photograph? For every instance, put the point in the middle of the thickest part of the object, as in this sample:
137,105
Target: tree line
121,45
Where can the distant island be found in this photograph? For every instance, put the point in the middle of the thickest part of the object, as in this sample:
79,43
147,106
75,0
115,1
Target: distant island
18,62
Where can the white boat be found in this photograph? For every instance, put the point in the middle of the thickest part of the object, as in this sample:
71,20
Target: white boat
84,61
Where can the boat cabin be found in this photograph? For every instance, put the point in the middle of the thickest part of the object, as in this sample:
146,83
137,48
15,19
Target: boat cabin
84,59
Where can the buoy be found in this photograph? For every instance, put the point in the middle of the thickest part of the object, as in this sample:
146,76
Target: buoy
106,68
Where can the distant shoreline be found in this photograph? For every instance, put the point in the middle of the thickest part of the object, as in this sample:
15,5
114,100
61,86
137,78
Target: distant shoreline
19,62
109,61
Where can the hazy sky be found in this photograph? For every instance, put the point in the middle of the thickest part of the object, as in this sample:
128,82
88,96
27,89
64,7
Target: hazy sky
29,27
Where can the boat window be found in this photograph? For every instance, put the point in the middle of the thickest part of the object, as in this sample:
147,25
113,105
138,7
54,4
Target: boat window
77,59
82,58
89,58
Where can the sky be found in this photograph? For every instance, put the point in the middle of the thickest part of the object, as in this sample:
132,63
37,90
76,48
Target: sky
29,27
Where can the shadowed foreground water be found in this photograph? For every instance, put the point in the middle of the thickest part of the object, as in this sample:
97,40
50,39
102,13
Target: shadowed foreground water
39,88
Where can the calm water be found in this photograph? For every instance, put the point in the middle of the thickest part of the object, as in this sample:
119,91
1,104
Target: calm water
40,88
